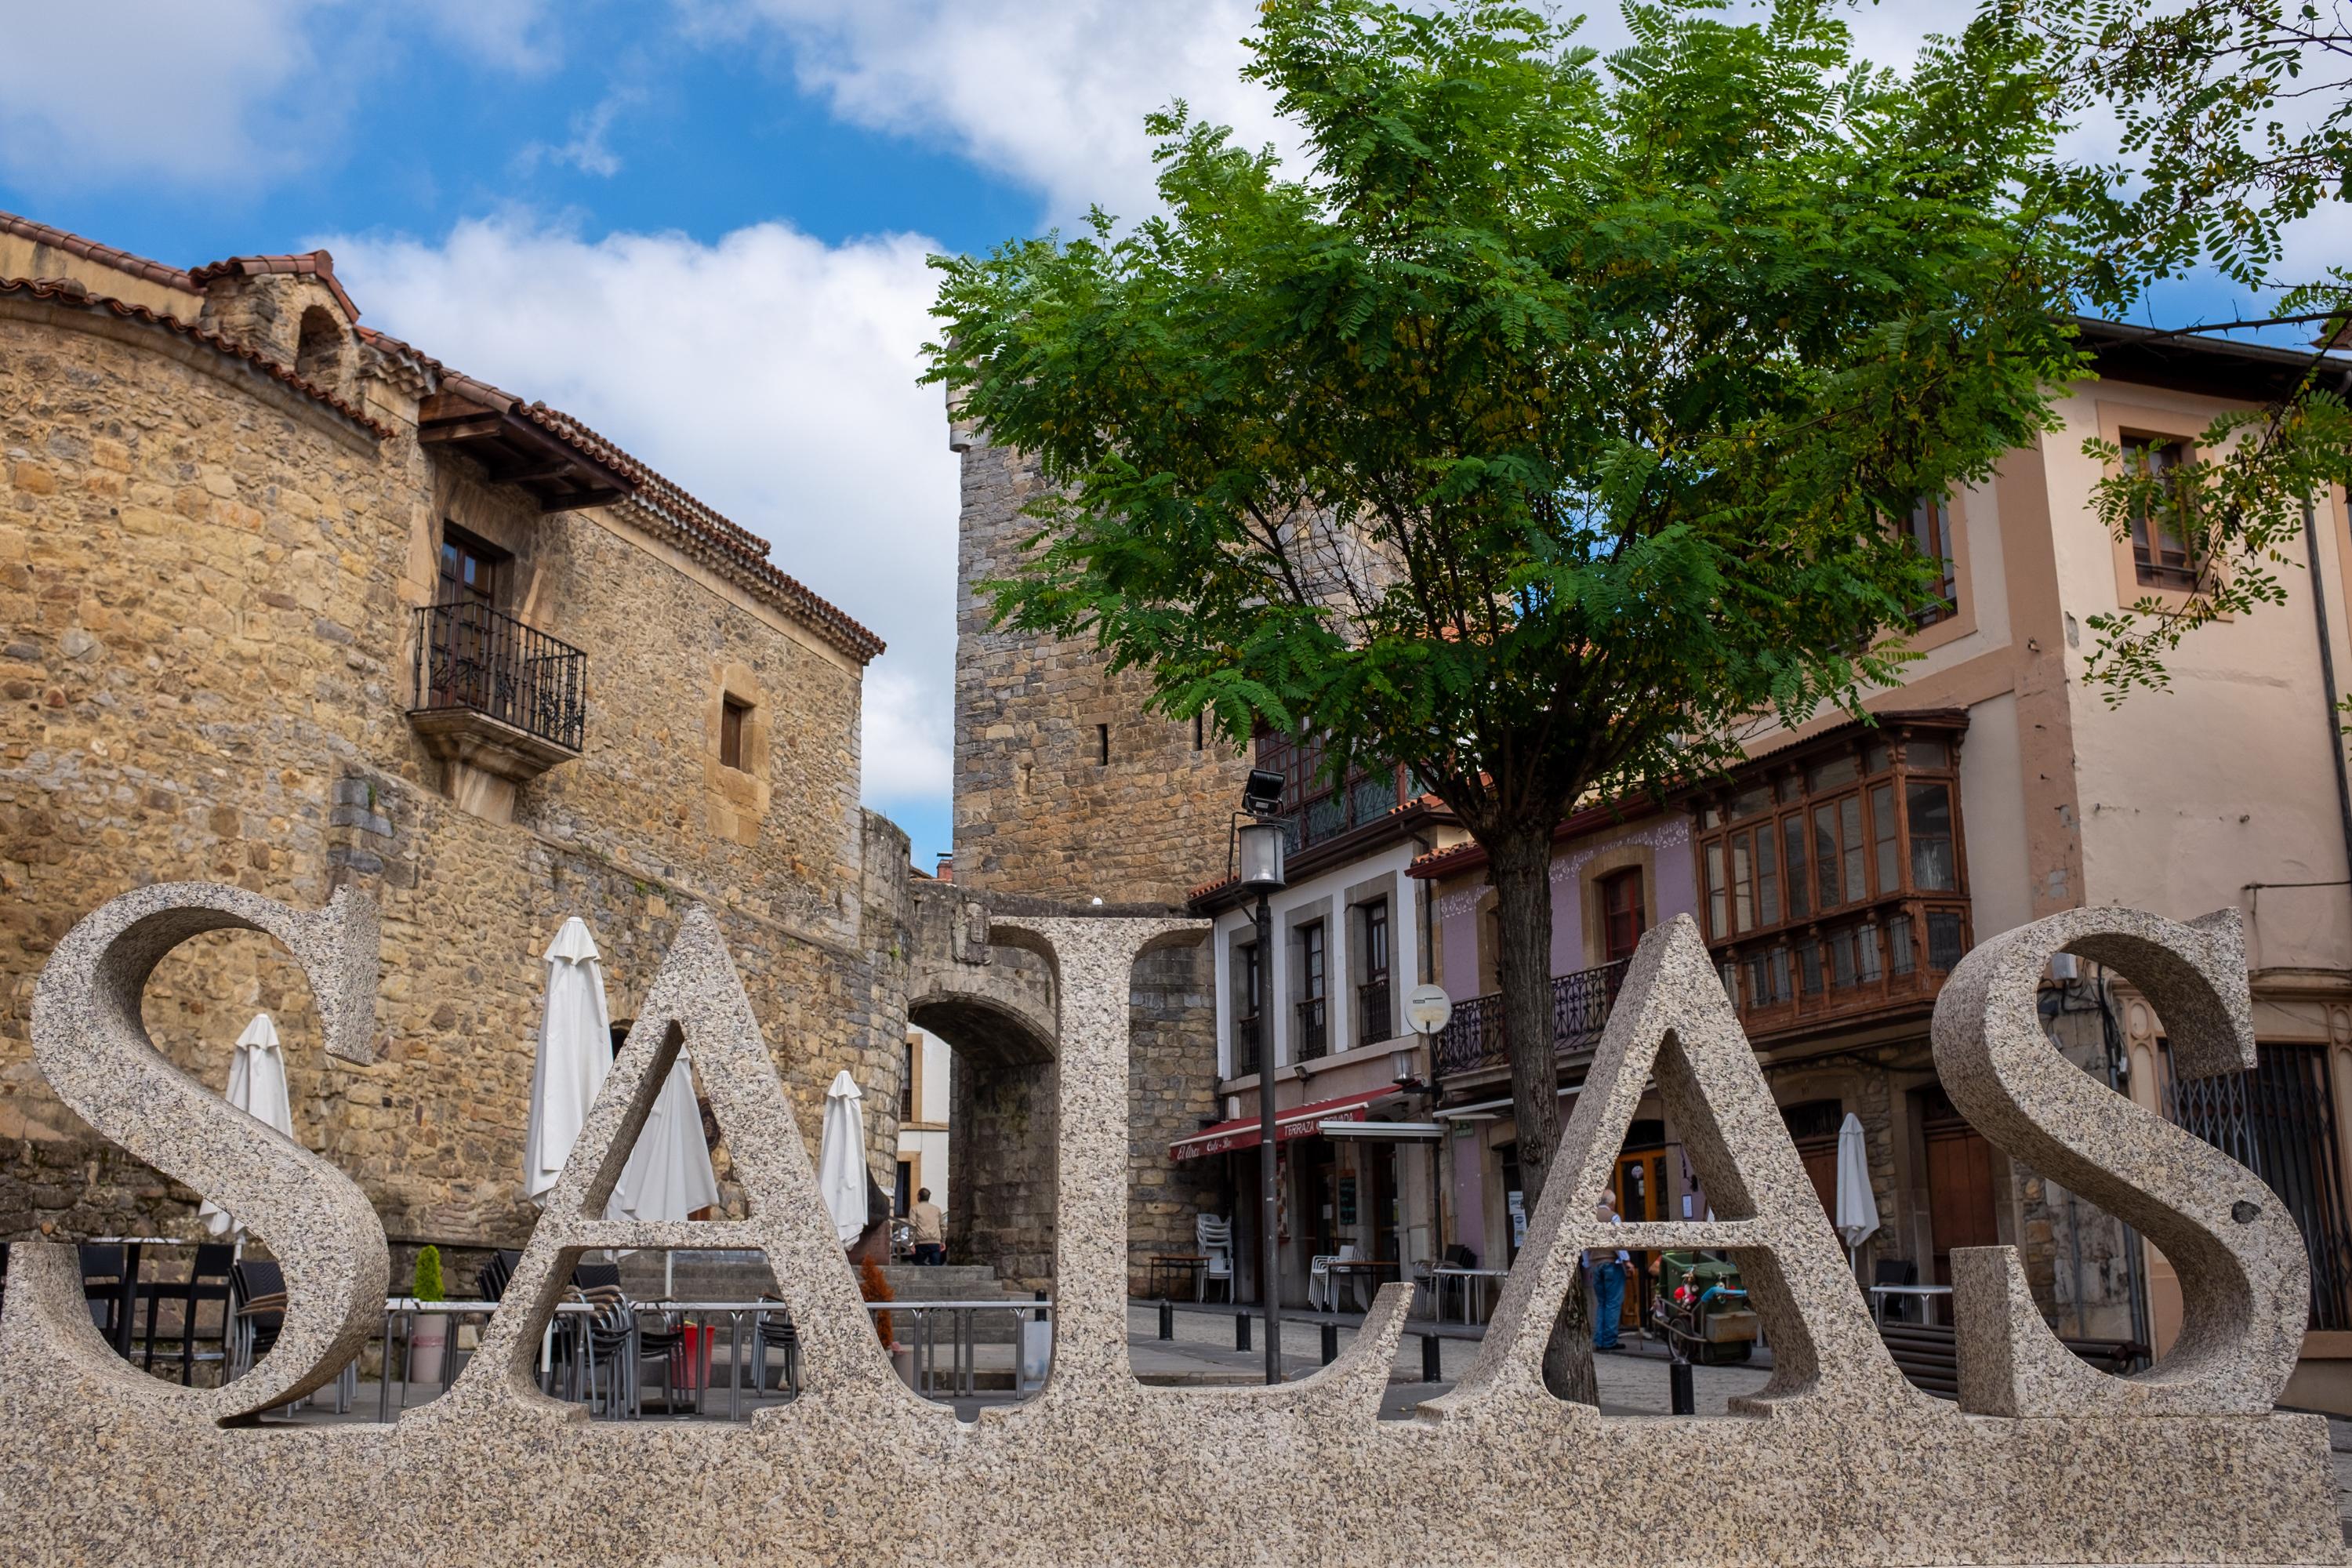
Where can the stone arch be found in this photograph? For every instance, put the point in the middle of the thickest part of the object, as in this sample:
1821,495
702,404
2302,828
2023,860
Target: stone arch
321,348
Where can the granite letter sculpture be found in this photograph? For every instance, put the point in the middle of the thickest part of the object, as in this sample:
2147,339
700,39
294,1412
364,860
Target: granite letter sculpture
1836,1461
2245,1281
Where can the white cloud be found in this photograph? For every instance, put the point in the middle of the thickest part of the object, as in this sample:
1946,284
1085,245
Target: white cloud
230,93
1052,95
588,150
770,375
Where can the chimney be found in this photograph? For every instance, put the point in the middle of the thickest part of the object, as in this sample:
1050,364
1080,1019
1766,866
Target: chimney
946,866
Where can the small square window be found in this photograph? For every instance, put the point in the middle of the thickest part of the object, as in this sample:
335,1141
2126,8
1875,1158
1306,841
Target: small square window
732,715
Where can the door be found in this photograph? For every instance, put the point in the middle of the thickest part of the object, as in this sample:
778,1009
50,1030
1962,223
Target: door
1641,1186
1960,1206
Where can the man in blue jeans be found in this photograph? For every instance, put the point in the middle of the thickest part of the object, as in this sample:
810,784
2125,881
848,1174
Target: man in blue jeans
1607,1269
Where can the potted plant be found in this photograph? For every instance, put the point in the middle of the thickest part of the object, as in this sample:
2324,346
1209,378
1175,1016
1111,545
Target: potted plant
875,1288
429,1337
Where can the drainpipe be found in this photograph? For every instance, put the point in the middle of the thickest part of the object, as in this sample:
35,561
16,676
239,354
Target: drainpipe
2327,679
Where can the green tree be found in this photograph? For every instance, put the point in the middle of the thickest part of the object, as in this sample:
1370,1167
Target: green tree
1541,435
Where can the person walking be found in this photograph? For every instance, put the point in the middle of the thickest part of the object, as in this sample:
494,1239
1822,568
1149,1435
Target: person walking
1606,1267
931,1231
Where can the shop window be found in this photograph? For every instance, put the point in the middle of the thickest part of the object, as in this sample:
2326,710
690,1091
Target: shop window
732,713
2160,551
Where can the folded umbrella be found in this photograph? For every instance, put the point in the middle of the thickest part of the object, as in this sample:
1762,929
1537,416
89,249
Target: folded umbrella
256,1086
575,1051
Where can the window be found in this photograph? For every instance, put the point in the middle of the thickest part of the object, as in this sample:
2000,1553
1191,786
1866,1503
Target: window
1373,1024
471,570
1313,972
1931,532
1834,876
1621,916
902,1191
2161,557
1200,731
732,711
907,1080
1102,746
1246,1027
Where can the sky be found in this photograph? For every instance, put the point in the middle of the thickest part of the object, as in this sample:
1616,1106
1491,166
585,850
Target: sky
701,225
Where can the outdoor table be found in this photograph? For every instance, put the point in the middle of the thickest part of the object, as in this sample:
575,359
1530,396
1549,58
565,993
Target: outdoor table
1468,1276
1360,1267
1925,1293
1187,1264
126,1296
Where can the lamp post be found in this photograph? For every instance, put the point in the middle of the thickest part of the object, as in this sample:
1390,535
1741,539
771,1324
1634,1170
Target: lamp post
1261,841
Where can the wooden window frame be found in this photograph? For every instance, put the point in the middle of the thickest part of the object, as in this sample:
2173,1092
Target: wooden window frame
498,563
734,718
1875,938
1624,877
2121,424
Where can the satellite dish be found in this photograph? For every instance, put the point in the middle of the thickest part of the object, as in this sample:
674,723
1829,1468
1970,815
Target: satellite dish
1428,1008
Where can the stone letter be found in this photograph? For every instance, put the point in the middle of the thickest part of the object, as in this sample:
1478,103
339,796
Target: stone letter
2244,1279
1672,1019
91,1046
697,1000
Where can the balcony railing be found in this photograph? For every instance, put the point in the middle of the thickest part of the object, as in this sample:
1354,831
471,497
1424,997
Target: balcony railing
470,656
1314,1036
1475,1037
1329,813
1372,1024
1246,1035
1860,962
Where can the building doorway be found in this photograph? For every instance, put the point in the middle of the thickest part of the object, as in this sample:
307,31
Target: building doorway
1961,1207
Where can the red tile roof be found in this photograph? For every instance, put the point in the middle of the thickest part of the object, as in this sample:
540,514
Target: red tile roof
317,264
66,291
90,250
717,542
703,533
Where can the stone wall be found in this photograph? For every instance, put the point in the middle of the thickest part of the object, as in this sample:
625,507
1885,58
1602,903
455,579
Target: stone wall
1036,809
1171,1092
206,583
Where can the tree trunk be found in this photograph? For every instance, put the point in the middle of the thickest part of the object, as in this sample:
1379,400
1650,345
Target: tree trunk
1518,863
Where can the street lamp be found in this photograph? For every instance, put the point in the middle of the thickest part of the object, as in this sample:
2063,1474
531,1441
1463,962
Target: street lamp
1260,842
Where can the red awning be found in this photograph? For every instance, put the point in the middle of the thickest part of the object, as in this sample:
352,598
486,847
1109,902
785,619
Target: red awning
1298,1122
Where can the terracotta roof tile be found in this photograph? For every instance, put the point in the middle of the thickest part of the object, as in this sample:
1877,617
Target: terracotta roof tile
90,250
718,541
66,291
316,264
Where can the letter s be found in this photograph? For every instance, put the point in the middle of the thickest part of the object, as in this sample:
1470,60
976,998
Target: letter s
2245,1279
91,1045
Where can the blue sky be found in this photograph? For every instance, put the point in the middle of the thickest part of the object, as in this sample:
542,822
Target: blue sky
699,224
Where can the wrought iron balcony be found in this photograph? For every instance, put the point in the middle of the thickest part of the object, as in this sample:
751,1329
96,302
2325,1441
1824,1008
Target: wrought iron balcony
1314,1032
1246,1035
495,694
1474,1038
1372,1012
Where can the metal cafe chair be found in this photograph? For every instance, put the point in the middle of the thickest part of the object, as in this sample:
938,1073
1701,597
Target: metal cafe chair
207,1282
101,1285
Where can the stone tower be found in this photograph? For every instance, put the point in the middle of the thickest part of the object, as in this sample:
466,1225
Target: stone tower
1065,787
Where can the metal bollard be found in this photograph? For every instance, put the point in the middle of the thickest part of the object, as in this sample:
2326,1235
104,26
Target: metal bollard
1678,1382
1431,1370
1331,1343
1241,1331
1167,1319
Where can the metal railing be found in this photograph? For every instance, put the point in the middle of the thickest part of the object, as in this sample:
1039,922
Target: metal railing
469,656
1373,1025
1247,1032
1314,1031
1474,1038
1857,961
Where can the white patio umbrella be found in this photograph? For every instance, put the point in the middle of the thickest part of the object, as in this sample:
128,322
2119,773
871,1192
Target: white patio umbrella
1857,1209
256,1086
575,1051
668,1175
841,1158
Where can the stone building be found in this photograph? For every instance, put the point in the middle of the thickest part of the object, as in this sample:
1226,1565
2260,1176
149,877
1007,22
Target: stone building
288,602
1069,794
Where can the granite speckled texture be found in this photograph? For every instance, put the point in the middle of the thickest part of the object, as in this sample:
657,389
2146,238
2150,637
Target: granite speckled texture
2245,1281
1837,1461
